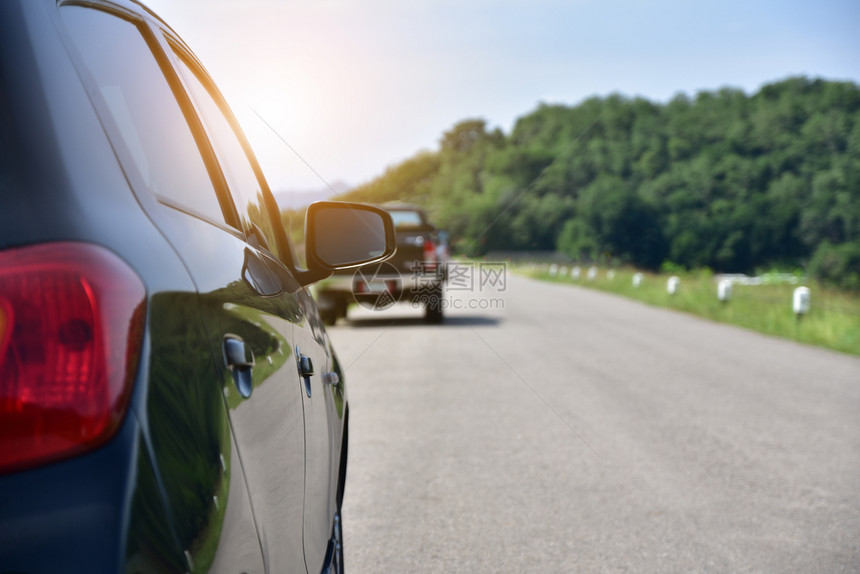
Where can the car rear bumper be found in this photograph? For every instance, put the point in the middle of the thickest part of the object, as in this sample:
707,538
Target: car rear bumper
73,515
366,288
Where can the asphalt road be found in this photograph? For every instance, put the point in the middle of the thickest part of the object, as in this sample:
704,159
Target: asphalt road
573,431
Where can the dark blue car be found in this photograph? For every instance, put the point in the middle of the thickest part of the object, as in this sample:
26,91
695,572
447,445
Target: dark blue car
169,398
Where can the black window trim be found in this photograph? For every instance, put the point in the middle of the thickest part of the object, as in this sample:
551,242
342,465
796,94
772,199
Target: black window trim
178,49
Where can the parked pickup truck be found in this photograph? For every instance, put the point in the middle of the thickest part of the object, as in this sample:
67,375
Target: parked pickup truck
415,274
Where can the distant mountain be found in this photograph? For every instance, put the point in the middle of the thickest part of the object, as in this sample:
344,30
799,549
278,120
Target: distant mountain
296,199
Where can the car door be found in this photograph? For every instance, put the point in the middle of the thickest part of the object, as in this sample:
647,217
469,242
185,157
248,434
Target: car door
322,438
195,466
287,309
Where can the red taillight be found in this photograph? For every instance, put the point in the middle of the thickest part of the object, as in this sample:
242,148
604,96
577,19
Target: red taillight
71,324
430,258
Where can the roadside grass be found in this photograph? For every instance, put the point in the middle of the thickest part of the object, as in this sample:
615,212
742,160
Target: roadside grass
833,320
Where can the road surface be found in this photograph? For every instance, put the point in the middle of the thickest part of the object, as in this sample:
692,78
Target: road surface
550,428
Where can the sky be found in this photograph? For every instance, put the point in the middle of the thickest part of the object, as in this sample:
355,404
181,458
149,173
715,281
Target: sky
333,90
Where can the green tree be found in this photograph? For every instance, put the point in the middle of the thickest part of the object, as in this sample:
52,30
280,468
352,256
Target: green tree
718,179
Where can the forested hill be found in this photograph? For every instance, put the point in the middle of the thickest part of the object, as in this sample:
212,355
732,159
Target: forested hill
724,179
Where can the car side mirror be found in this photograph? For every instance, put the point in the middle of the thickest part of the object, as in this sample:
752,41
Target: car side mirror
341,235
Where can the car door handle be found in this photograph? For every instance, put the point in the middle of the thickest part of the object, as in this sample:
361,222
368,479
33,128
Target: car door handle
239,359
306,366
306,370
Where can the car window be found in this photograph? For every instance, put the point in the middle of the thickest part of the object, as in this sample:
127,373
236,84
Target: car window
243,183
406,219
150,121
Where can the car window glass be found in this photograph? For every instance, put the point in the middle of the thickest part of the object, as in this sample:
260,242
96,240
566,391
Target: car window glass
242,181
146,114
406,219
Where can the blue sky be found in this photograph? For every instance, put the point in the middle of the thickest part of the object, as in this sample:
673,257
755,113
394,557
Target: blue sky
354,87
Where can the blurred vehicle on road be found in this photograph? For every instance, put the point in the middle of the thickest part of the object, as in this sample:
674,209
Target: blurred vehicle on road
415,274
443,251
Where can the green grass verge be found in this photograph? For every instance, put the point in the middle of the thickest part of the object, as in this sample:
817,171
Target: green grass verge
832,322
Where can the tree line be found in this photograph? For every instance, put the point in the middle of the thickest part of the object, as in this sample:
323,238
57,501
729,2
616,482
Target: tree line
723,180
